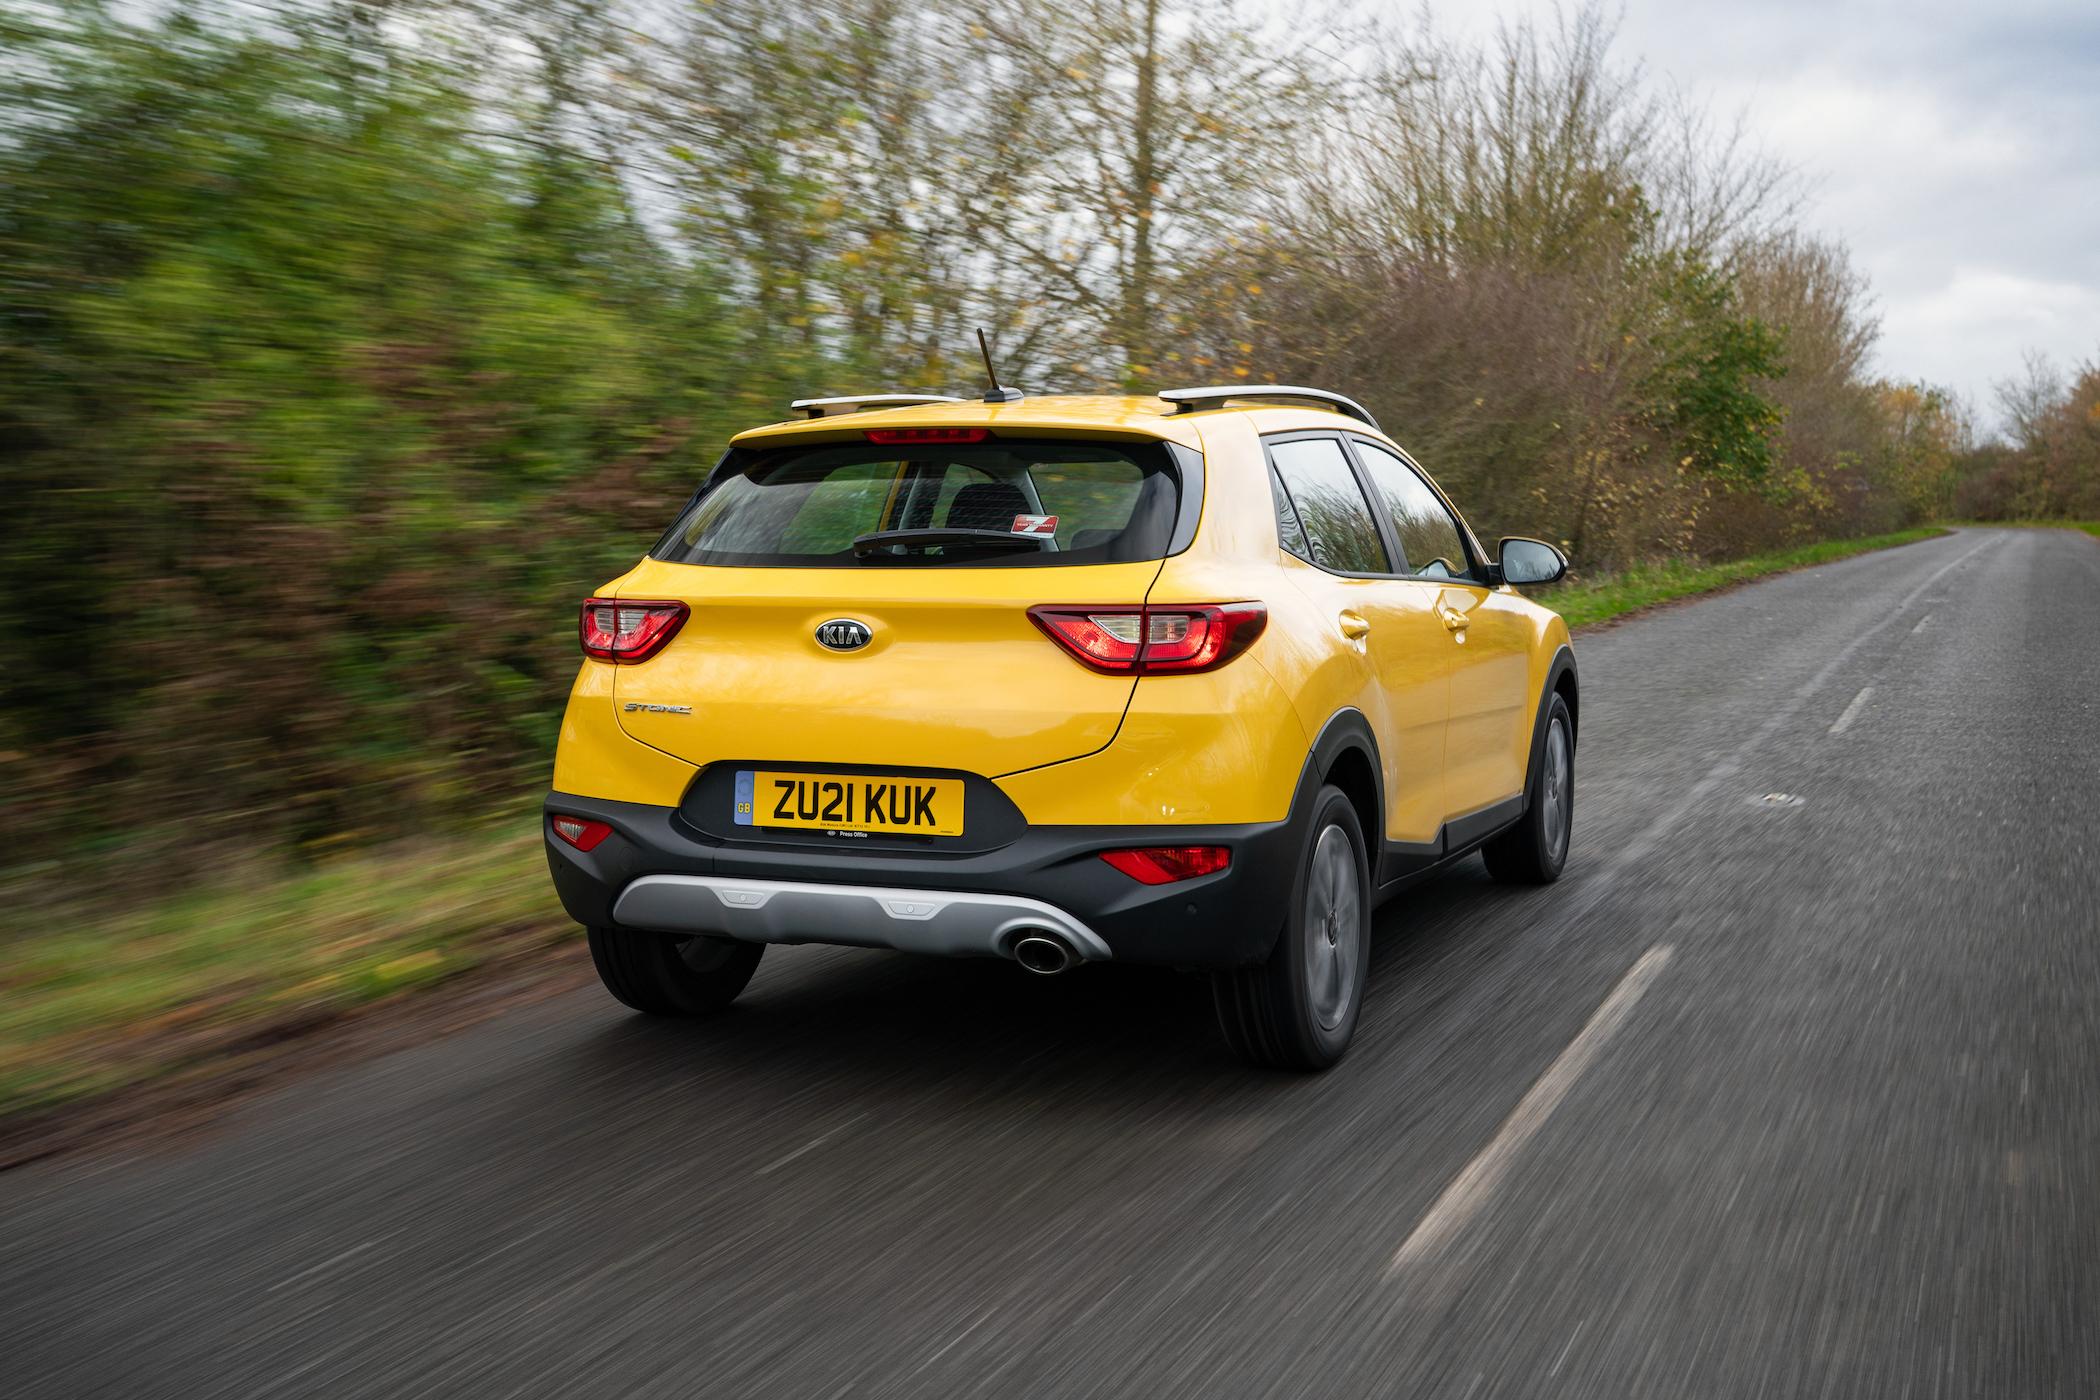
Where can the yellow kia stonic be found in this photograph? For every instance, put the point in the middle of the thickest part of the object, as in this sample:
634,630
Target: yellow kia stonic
1195,680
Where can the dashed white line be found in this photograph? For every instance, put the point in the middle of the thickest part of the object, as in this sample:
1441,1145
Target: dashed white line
1591,889
1859,702
1921,623
1469,1192
812,1145
1463,1198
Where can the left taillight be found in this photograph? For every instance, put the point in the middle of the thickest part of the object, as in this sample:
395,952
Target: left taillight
1148,641
623,631
581,832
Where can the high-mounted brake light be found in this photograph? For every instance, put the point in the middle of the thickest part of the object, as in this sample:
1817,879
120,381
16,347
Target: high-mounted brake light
1163,865
581,833
904,437
624,632
1153,641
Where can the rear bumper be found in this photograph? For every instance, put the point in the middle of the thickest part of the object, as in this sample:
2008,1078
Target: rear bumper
951,922
659,871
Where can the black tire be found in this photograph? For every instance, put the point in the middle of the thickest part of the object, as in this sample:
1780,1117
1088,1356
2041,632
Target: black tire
1298,1009
664,974
1535,850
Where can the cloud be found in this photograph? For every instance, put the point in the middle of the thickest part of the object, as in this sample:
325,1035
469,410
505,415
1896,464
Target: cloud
1983,319
1950,145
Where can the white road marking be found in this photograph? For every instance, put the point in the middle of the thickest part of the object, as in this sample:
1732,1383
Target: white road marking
812,1145
1921,623
1859,702
1465,1195
1463,1198
1591,889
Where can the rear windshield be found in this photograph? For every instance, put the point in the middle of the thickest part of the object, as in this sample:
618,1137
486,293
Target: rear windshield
1003,503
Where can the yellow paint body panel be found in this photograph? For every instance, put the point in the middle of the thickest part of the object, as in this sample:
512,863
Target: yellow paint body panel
956,675
1068,415
957,678
596,758
1219,747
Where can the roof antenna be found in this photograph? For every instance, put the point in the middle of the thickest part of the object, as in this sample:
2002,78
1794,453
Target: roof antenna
996,394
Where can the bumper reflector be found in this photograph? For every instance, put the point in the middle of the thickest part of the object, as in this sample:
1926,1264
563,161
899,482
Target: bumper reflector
583,835
1163,865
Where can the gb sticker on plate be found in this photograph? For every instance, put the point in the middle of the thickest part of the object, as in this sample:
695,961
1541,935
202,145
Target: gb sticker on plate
1034,525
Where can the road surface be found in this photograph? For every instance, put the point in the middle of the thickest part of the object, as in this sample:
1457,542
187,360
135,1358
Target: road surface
1792,1095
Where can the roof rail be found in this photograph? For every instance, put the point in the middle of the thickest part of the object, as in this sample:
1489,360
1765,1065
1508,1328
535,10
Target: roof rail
1196,400
860,403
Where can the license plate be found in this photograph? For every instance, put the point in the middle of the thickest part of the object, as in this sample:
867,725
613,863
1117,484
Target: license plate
850,802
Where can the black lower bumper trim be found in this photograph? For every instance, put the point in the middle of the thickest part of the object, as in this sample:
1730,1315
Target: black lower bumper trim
1229,919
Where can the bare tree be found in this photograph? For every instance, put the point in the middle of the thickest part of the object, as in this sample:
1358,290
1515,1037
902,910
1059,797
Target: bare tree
1136,136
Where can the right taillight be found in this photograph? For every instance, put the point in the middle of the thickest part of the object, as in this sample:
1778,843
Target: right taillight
626,632
1164,865
1152,640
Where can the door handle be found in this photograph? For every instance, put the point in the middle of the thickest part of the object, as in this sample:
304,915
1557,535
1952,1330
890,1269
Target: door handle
1454,620
1354,625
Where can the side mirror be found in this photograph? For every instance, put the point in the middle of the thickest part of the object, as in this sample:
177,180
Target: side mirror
1526,562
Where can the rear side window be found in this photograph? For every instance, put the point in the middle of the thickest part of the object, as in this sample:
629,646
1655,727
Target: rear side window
1428,535
1000,503
1340,532
1289,530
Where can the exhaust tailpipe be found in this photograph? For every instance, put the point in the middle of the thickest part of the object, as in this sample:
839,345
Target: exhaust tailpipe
1044,954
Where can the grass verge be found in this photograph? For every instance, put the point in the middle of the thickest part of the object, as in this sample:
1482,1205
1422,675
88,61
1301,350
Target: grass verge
94,1000
2091,527
1588,603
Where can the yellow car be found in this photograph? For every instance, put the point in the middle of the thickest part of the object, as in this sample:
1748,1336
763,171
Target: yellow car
1195,679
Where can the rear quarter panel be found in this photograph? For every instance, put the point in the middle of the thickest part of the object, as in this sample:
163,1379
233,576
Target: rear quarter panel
1317,673
1219,747
1223,746
596,758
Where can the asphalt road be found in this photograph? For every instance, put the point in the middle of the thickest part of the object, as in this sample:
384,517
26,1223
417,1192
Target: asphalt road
1766,1098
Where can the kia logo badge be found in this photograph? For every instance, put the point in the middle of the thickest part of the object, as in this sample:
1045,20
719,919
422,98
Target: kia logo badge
844,634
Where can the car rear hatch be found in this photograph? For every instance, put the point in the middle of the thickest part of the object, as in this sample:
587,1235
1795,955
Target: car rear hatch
865,603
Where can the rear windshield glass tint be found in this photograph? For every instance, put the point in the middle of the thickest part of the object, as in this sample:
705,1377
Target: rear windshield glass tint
997,504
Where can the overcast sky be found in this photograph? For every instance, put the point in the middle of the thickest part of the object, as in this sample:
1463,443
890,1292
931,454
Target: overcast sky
1954,147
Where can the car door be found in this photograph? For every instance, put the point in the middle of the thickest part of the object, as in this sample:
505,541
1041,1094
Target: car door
1487,737
1325,518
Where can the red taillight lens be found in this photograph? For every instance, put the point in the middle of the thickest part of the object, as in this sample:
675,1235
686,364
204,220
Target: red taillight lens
623,632
1163,865
583,835
904,437
1106,641
1152,640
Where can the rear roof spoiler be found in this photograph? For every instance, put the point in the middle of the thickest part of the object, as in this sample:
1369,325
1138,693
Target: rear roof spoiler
1216,396
861,403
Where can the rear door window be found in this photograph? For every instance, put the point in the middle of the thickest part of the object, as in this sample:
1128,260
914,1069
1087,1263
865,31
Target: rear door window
1000,503
1341,534
1428,534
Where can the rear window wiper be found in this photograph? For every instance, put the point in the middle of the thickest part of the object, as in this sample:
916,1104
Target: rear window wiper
884,541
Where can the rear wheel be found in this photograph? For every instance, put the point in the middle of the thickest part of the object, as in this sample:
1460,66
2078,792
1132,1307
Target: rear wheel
1298,1009
1534,851
664,974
